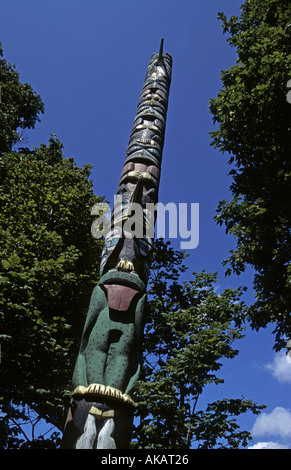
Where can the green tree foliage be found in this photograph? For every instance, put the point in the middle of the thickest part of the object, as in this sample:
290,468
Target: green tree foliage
49,263
189,330
20,106
254,119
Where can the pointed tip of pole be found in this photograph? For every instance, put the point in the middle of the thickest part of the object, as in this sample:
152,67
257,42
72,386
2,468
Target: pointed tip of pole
161,49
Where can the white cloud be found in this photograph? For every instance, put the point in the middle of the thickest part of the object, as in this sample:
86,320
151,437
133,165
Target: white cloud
278,422
269,445
280,368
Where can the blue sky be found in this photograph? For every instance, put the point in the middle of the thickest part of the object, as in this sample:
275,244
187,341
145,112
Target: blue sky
88,60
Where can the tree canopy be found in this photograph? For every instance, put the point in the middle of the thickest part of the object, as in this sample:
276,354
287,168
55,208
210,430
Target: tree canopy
20,106
49,264
254,122
190,329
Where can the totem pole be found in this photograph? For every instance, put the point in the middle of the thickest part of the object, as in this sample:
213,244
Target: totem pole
109,361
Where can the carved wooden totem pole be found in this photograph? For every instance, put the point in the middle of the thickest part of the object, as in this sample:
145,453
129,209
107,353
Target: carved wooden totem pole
109,361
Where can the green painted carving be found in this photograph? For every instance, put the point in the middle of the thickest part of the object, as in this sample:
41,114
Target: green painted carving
112,336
